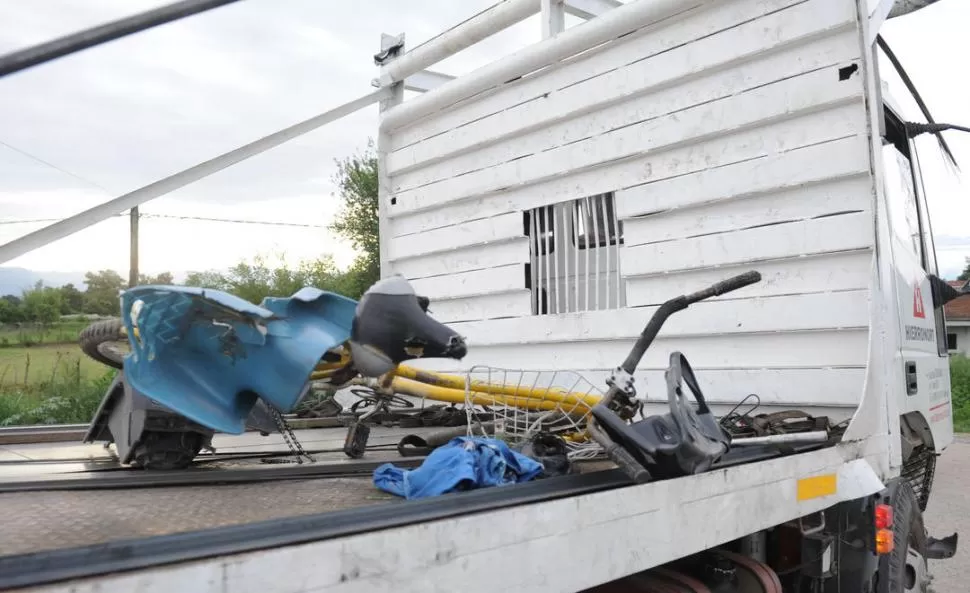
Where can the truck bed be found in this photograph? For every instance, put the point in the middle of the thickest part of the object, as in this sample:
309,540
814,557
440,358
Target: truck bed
67,513
74,495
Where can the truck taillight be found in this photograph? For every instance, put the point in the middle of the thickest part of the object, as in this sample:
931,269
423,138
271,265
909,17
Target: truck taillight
884,516
884,541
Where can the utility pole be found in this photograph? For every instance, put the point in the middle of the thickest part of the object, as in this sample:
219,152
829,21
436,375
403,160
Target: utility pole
133,249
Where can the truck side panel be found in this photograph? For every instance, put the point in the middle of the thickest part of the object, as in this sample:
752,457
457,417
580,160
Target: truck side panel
731,136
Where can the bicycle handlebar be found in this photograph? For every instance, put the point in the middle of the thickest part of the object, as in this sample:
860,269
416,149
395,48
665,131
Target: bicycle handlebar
679,304
724,286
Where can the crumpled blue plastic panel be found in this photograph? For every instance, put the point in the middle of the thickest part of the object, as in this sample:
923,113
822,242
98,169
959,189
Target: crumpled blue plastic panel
208,355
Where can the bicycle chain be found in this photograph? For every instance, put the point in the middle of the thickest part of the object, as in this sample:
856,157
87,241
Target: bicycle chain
289,437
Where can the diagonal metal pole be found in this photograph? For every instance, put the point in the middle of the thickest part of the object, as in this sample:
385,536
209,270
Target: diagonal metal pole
75,42
101,212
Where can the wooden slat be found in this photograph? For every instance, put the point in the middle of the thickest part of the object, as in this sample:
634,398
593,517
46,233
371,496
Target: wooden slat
765,141
491,306
478,282
754,54
803,275
804,94
477,232
836,159
832,310
824,235
793,388
647,42
803,203
817,349
478,257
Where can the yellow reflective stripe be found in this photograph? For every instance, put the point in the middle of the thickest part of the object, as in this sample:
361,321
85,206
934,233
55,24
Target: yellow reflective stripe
817,486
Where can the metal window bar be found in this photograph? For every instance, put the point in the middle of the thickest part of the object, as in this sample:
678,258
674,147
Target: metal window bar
555,260
546,254
536,263
575,244
618,235
585,219
607,243
596,242
559,277
564,254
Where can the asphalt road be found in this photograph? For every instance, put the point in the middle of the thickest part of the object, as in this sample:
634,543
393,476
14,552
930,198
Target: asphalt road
949,511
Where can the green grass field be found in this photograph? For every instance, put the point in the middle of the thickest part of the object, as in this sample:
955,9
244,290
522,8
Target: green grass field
20,367
49,384
63,332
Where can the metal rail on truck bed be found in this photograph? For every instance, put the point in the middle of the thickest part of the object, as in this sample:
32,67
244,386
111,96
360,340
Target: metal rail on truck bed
69,525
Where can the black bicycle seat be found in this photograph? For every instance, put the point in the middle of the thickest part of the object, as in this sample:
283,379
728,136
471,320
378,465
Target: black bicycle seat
392,325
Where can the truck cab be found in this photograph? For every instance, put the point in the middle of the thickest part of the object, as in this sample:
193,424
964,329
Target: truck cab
924,402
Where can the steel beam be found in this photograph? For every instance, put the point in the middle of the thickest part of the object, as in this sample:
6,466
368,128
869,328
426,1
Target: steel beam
587,9
625,19
553,18
102,212
481,26
421,82
391,48
426,80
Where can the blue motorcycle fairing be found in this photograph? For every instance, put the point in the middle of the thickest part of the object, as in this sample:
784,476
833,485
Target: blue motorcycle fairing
208,355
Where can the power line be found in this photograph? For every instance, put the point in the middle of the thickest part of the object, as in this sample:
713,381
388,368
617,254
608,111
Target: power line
177,217
37,220
29,220
237,221
144,215
55,167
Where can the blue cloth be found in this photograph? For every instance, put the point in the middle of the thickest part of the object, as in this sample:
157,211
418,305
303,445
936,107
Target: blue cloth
464,463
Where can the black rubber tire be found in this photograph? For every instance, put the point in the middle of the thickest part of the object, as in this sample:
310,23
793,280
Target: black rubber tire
908,532
167,450
99,332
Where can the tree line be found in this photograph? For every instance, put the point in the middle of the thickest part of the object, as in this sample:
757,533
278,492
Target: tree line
46,304
356,221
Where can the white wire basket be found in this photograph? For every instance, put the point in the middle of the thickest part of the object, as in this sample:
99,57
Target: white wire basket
522,404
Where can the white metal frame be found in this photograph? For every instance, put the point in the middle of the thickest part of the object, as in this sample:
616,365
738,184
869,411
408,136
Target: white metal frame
410,68
612,24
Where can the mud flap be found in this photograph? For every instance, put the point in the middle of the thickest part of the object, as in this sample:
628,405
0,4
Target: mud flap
134,415
941,549
98,429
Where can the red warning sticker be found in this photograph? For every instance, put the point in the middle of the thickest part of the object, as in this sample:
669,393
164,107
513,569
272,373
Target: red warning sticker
918,303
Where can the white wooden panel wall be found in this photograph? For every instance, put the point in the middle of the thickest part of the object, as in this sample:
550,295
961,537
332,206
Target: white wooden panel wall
734,137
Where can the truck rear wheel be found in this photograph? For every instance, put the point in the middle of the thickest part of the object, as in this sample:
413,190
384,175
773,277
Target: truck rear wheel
905,568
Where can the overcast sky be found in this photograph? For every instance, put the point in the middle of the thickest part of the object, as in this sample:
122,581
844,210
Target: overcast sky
119,116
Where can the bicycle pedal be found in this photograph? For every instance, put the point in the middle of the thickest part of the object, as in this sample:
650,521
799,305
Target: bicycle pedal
356,441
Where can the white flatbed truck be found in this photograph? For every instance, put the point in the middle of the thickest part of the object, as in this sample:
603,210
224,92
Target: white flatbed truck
547,203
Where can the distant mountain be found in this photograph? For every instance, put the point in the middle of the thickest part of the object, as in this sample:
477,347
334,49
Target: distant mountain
16,280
